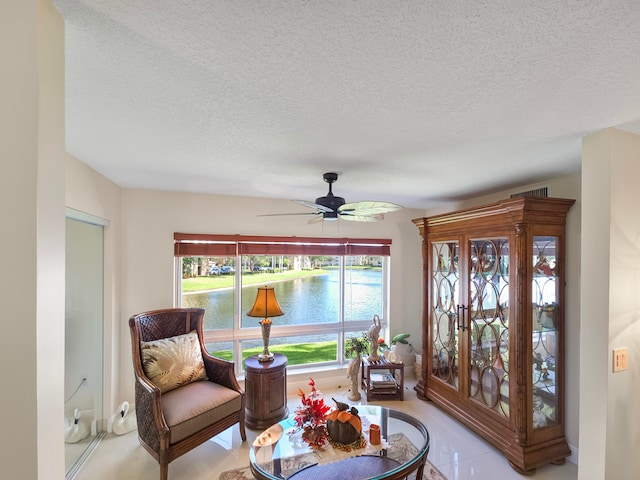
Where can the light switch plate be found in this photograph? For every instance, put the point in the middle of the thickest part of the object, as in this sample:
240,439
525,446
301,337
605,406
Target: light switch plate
620,359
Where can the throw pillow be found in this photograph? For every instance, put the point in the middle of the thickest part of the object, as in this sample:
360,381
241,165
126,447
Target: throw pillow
172,362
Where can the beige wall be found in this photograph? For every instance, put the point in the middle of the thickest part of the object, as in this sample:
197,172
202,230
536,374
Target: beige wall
51,234
32,244
150,218
610,412
89,192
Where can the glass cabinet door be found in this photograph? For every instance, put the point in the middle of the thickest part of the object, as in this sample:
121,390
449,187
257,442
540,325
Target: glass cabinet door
544,332
445,281
489,323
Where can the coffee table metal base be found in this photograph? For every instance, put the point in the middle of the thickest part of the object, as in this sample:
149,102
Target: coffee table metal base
354,468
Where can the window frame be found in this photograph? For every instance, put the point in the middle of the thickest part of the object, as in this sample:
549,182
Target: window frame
208,245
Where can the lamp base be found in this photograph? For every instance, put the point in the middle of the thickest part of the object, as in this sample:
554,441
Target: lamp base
265,357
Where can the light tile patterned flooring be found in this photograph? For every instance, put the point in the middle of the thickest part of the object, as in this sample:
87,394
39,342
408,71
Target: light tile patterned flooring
456,451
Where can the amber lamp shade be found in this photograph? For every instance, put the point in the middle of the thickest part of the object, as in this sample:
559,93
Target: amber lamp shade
265,306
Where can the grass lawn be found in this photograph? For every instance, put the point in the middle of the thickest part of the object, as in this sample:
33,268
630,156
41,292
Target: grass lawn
296,353
214,282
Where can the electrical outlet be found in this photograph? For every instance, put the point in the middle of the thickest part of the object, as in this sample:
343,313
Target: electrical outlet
620,359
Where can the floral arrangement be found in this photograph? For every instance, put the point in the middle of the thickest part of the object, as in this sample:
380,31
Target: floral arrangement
311,416
400,338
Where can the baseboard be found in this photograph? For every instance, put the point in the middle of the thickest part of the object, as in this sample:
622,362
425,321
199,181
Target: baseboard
573,458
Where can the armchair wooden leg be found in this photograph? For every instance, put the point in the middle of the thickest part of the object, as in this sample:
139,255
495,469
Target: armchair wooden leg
164,471
243,432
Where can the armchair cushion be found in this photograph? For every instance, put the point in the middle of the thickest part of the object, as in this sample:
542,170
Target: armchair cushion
197,405
172,362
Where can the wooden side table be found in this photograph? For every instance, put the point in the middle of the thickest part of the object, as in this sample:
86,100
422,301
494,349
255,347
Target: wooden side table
393,388
265,385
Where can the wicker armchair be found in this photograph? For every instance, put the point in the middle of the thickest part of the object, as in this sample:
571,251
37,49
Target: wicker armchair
172,422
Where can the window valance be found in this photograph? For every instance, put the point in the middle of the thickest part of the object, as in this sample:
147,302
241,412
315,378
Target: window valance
209,245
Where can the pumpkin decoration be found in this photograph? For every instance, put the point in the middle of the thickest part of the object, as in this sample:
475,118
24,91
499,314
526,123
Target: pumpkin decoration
343,424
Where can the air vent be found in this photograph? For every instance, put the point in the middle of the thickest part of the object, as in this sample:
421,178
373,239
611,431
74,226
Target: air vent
538,192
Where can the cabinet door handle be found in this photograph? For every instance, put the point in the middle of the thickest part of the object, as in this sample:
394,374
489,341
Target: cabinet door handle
461,323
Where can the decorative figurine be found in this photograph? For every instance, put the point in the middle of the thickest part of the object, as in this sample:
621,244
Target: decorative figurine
355,346
352,375
374,334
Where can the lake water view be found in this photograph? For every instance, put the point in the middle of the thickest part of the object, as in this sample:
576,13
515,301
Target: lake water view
314,300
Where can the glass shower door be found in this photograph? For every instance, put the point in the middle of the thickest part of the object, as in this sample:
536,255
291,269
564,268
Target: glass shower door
83,393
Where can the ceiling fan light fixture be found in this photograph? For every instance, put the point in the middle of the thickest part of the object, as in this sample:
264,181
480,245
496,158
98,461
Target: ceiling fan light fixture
331,202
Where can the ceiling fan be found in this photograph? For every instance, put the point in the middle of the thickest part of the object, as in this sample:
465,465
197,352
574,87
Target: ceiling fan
331,207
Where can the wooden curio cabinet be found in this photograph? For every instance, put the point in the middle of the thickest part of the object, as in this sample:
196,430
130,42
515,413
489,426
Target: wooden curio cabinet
493,324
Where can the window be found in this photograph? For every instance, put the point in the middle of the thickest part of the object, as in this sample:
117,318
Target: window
328,288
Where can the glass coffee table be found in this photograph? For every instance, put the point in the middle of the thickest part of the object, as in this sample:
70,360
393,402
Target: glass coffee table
280,453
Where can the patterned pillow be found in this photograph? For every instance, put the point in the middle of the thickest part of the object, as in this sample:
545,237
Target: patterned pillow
172,362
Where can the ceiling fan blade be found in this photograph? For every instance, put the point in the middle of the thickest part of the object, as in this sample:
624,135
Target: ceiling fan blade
361,218
315,206
367,208
306,214
316,219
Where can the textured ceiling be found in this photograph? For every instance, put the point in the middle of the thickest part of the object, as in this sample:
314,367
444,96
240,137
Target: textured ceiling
414,102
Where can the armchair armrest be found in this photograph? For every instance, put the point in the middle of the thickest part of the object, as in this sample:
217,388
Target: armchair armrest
221,371
152,427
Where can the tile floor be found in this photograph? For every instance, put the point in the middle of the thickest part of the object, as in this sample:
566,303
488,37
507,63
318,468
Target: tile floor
457,452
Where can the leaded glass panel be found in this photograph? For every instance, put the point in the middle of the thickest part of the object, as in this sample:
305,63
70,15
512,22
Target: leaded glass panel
544,332
489,323
445,281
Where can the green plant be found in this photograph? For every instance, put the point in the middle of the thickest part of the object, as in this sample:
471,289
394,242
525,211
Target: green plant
356,346
400,338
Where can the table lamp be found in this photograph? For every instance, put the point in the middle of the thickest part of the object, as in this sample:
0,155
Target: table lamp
265,306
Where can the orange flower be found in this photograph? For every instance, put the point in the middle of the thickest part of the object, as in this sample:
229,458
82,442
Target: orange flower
313,410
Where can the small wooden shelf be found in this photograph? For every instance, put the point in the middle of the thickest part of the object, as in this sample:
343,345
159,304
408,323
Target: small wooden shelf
393,387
